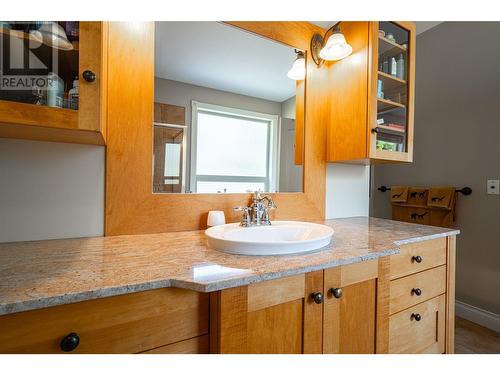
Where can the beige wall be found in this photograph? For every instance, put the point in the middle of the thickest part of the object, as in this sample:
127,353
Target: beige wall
347,190
457,142
288,108
50,190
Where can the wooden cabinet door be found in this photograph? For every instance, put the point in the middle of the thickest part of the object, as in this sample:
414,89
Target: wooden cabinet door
349,309
272,317
21,118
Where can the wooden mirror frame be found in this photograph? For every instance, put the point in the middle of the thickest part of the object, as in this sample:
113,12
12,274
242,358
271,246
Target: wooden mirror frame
131,206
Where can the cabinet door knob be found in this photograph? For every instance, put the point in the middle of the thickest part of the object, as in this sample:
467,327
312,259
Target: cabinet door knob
317,297
416,258
416,291
88,76
417,317
336,292
375,130
70,342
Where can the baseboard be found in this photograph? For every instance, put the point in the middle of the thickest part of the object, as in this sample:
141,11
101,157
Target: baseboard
479,316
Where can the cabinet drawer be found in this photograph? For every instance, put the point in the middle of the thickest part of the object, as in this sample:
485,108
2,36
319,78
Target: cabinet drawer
410,333
129,323
414,289
418,257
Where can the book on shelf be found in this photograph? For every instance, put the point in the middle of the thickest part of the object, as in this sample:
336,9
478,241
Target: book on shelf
389,146
396,126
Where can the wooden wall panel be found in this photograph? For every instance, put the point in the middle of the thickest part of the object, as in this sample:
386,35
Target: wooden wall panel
131,207
347,136
299,123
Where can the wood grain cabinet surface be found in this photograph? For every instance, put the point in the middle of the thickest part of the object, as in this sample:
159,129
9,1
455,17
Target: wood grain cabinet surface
271,317
87,124
130,323
349,309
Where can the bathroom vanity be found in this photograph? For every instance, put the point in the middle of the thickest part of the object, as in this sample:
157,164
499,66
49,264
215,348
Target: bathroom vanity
152,285
380,287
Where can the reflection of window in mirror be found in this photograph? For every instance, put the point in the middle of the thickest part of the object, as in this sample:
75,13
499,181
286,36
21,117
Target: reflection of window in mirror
233,150
233,101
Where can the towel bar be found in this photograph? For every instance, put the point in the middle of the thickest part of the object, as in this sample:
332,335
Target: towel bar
465,190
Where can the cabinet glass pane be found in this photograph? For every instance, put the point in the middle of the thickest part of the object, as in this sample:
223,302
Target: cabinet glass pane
39,63
392,87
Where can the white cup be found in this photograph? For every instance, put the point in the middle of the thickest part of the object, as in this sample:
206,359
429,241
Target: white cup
216,218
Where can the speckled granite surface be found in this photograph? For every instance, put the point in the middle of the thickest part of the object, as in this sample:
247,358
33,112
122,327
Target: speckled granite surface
47,273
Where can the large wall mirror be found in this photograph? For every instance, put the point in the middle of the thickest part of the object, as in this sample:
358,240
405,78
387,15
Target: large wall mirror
229,111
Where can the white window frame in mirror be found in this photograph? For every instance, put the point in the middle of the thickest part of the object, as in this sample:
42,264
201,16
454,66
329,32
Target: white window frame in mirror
272,178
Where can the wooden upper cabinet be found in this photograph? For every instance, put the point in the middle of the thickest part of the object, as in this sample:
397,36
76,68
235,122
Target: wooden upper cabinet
49,112
372,95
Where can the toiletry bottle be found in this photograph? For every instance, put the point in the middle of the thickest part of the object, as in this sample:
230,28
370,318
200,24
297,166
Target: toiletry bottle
394,66
380,87
385,65
55,90
73,94
401,67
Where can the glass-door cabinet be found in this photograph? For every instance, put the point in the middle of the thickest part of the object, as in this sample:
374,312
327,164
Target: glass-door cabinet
392,91
51,80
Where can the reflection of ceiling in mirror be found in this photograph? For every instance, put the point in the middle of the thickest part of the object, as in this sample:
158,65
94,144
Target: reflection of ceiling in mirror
222,57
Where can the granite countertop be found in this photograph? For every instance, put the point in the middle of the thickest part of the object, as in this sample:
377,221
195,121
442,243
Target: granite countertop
40,274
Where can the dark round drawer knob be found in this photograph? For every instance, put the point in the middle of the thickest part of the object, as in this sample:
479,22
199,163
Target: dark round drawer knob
317,297
416,291
70,342
416,258
336,292
417,317
88,76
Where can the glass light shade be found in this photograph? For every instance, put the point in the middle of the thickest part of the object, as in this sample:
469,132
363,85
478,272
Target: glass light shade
336,48
298,70
53,35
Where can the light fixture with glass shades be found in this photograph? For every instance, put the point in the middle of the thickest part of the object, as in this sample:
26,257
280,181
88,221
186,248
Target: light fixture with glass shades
298,70
335,47
53,35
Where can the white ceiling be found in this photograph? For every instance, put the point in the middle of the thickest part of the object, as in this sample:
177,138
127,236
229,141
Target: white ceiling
222,57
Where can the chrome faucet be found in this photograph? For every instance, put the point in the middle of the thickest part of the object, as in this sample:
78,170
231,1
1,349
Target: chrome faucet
261,204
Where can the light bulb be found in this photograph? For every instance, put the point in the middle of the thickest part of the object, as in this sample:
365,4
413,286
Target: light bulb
336,48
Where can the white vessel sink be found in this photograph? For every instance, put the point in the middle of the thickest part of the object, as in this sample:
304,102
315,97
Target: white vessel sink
282,237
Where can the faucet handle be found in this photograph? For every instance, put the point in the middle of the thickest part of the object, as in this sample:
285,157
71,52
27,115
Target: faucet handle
241,208
245,219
